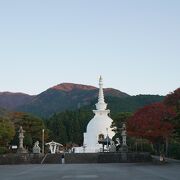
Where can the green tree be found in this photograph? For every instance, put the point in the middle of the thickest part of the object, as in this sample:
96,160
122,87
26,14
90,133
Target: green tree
57,129
32,125
7,131
68,127
76,132
118,121
173,100
28,142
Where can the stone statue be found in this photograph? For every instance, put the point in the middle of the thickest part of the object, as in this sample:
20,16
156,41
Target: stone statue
36,148
112,147
124,147
21,149
21,137
123,134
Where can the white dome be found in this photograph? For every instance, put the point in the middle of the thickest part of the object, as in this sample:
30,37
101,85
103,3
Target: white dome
100,124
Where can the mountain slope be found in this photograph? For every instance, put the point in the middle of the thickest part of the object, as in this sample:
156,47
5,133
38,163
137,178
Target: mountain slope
132,103
65,96
11,101
69,96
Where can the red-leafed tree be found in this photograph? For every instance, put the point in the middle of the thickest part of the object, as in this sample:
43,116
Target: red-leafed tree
151,122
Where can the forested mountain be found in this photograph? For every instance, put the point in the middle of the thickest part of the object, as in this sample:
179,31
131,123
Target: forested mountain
66,96
11,101
69,96
131,103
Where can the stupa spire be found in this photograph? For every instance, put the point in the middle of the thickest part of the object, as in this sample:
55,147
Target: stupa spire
101,93
101,105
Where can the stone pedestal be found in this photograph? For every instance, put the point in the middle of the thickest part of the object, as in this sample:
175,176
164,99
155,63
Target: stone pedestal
22,151
124,148
124,156
36,148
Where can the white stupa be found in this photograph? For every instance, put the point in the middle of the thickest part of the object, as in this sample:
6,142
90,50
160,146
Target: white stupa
100,124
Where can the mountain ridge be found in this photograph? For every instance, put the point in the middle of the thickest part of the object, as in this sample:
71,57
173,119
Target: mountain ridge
10,100
67,96
71,86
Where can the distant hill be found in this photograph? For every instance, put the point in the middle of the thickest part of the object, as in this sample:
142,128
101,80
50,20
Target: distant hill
126,104
65,96
69,96
11,101
131,103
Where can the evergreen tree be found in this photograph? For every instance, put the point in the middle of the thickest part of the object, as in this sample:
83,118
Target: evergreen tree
7,132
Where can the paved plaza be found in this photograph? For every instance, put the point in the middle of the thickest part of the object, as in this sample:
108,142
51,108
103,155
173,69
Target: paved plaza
123,171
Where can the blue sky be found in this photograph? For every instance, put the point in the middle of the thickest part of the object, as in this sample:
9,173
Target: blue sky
133,44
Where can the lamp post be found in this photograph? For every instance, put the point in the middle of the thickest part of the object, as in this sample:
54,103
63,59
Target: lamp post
107,140
43,142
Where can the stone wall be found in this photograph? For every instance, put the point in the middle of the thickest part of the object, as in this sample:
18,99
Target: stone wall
53,159
75,158
107,157
81,158
21,159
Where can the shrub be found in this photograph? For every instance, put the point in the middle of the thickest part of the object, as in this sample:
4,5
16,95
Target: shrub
174,150
3,150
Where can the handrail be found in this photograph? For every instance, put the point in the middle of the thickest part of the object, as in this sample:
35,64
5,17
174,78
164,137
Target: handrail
44,159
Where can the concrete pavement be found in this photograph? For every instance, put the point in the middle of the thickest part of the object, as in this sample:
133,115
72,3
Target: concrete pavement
123,171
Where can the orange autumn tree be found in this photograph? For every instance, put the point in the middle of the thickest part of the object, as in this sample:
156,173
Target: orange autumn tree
152,122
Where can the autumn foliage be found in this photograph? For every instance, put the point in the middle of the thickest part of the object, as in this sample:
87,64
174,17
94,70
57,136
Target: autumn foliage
151,122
